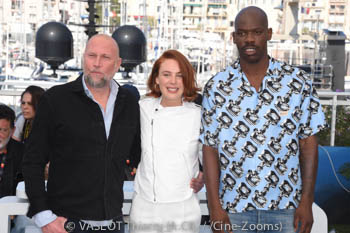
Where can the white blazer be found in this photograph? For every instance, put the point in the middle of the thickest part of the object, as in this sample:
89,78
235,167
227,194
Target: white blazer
169,159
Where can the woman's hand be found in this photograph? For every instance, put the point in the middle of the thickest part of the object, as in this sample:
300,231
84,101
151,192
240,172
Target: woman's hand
197,183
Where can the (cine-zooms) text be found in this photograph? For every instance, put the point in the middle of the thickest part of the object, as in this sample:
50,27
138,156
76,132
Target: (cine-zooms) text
246,226
118,225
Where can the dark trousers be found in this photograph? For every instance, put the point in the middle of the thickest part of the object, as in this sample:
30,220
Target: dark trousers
78,226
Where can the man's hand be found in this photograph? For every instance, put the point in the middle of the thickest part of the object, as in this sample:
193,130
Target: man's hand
197,183
47,171
57,226
303,215
219,221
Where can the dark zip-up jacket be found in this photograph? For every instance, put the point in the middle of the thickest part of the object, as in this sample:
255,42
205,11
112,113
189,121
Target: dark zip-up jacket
12,169
86,169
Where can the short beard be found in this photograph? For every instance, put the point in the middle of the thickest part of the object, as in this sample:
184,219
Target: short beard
3,144
93,84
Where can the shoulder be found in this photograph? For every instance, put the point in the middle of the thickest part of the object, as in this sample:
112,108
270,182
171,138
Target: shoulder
230,72
64,88
191,106
290,73
15,146
148,101
125,91
131,89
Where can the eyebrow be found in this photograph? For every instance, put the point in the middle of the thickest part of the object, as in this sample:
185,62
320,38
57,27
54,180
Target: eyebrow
168,71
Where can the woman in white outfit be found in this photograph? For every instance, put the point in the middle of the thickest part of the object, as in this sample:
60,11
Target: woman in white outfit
168,175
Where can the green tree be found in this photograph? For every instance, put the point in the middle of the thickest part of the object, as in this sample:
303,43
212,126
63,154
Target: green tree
342,127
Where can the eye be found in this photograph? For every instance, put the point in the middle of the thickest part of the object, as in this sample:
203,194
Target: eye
179,75
23,103
240,33
258,33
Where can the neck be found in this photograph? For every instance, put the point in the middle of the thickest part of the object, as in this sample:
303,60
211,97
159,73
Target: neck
255,68
169,103
255,72
101,95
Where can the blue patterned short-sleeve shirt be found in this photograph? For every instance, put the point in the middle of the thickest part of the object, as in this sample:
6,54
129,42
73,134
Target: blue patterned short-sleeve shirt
257,134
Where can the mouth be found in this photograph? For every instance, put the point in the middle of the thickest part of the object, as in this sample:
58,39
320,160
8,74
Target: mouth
96,73
250,50
172,89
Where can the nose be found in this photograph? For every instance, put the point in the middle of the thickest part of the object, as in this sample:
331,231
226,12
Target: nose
173,79
250,37
97,62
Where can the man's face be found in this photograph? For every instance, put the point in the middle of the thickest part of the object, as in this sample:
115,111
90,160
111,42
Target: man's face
101,61
5,133
251,36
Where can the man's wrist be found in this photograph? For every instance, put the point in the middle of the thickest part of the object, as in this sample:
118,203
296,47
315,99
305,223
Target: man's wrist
43,218
307,201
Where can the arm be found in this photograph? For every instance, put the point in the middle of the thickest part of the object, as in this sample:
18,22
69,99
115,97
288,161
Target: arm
197,183
211,177
35,158
308,168
17,135
135,153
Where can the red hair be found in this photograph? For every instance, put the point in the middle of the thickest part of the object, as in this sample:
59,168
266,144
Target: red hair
187,71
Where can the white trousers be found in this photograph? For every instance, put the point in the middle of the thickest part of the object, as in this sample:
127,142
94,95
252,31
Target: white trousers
175,217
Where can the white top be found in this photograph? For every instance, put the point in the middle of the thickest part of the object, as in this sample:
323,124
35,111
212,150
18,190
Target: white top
19,127
169,159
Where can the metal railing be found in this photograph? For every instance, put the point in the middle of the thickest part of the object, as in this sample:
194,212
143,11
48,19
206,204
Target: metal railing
332,101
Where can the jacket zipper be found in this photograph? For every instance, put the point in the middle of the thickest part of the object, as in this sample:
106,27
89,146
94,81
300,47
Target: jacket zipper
154,172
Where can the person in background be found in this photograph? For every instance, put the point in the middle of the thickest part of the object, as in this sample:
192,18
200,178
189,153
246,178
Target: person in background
260,118
168,175
11,153
29,104
87,129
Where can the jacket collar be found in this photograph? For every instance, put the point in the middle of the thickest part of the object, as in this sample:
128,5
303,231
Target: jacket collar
77,84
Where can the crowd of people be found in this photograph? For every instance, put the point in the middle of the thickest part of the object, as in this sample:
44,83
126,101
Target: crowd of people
255,125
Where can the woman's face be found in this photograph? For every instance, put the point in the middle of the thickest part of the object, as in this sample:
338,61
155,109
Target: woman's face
27,106
170,83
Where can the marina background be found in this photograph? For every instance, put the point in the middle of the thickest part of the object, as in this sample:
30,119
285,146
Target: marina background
311,34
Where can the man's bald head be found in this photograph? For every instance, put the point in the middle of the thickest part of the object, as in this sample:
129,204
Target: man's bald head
103,38
252,12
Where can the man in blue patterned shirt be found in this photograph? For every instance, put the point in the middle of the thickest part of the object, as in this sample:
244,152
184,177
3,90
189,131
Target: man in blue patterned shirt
259,121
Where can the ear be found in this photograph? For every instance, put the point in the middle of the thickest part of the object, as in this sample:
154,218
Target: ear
233,34
13,131
269,33
118,64
157,80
